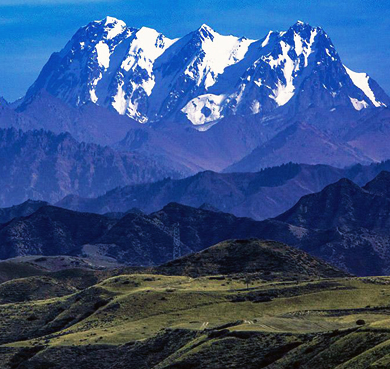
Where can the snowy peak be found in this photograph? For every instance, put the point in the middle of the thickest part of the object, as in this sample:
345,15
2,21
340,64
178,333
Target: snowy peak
106,30
203,76
113,27
205,32
272,70
299,68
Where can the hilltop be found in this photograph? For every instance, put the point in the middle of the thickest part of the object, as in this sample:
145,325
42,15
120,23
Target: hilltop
268,259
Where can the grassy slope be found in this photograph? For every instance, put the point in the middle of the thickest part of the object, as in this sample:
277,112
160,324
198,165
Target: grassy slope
139,307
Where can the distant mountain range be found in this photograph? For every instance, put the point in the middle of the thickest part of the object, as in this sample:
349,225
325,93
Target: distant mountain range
203,76
41,165
344,224
134,239
208,101
260,195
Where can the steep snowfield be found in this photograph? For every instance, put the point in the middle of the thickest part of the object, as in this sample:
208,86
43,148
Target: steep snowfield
203,76
362,81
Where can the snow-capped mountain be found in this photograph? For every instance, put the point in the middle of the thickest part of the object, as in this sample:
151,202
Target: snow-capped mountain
203,76
299,67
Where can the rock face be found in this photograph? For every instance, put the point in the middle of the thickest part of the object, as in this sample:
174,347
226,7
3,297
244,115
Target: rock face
41,165
203,76
261,195
251,256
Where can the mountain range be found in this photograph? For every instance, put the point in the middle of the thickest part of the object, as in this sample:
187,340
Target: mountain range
344,224
207,101
260,195
204,76
206,201
120,116
41,165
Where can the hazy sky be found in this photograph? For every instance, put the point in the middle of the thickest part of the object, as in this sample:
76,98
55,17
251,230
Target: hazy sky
31,30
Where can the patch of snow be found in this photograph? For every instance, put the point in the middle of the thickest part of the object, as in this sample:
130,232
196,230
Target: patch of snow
302,47
358,105
205,127
255,107
266,40
103,54
259,82
119,103
361,80
116,27
298,44
92,94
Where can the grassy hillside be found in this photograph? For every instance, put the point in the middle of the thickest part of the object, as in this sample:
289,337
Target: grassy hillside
205,322
271,317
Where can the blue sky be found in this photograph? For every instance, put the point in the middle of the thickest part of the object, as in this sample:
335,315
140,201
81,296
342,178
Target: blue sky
31,30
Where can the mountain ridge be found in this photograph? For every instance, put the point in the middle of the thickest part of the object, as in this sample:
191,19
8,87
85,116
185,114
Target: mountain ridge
344,225
41,165
260,195
147,76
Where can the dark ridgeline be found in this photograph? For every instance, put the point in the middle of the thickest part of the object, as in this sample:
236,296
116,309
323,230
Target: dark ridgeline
344,224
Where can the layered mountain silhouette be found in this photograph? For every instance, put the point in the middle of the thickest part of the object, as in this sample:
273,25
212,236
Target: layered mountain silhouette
260,195
134,239
303,143
344,224
118,116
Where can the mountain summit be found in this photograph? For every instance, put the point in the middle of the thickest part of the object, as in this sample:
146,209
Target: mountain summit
203,76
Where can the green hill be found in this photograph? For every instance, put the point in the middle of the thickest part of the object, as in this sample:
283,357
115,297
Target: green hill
271,260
